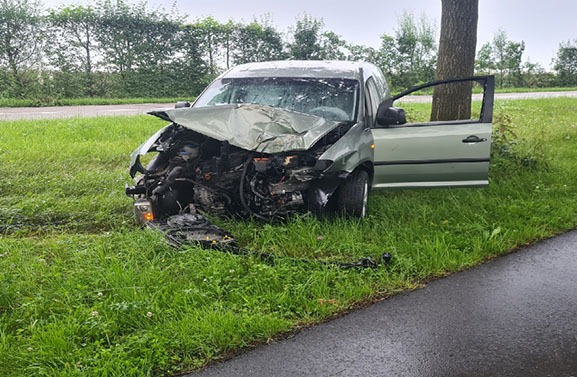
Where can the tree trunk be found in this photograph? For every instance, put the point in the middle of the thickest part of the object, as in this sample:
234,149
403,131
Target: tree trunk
210,58
456,59
17,80
227,47
89,78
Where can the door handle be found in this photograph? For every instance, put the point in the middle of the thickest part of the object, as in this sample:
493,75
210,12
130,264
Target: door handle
474,139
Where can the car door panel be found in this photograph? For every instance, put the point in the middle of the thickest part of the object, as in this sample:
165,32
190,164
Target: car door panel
431,154
434,154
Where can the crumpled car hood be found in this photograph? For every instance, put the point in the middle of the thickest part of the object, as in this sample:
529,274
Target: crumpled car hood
258,128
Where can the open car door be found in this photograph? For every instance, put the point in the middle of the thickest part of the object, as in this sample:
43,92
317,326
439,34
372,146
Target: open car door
424,154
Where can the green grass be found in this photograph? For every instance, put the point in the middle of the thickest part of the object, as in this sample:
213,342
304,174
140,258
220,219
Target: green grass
85,292
14,102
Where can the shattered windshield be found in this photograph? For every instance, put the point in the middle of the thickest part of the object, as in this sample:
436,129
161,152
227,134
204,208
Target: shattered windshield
331,98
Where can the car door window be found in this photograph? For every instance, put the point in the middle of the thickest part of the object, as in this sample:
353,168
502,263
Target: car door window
420,110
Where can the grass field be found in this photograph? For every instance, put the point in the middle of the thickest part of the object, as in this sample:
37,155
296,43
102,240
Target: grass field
85,292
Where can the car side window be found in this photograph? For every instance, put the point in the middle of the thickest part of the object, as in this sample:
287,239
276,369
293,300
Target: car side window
466,100
372,100
419,106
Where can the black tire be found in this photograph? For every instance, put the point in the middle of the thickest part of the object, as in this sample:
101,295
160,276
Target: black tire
352,195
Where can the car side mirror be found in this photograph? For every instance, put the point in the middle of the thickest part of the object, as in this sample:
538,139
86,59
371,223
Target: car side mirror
181,104
389,115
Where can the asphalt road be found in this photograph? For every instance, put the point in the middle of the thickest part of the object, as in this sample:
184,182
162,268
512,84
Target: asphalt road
515,316
500,96
14,113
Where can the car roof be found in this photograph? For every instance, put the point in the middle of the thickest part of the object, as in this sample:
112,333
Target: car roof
301,68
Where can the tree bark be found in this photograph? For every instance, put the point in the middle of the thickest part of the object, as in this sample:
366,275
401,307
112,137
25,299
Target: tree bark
87,45
456,59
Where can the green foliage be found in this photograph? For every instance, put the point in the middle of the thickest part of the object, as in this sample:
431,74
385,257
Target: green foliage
534,76
312,42
509,151
73,30
134,42
502,57
116,48
85,292
408,57
566,63
209,35
257,42
363,53
306,43
21,39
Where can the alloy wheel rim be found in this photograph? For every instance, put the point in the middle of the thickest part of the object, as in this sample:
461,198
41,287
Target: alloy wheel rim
365,199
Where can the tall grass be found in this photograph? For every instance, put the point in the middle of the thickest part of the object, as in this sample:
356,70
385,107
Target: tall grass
85,292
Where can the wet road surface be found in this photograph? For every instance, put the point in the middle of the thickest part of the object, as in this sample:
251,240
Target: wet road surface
14,113
514,316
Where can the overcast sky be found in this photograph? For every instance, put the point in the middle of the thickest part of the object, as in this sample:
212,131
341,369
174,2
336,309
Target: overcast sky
541,24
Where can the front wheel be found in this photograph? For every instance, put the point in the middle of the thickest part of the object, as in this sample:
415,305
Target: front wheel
353,194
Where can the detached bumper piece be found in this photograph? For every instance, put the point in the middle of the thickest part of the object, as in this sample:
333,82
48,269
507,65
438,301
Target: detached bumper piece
195,229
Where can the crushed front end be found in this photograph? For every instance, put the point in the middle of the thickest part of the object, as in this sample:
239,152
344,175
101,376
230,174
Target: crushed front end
196,173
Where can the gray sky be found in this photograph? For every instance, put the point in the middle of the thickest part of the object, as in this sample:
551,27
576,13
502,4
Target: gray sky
541,24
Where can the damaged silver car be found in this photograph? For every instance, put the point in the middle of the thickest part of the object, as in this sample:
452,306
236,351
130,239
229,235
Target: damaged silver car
270,139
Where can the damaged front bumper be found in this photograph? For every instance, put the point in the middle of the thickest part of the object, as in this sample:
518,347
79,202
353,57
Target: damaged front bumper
269,164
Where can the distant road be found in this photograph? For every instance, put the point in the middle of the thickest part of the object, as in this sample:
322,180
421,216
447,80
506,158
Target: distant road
502,96
14,113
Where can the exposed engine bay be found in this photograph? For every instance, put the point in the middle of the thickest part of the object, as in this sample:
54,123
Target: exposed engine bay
246,160
196,173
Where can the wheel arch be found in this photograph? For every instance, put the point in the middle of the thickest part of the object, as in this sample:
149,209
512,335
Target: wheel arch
369,168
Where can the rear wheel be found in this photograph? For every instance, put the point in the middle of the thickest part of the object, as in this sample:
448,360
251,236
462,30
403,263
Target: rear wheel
353,194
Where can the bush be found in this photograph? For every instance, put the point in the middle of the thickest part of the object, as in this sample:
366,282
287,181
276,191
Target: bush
511,152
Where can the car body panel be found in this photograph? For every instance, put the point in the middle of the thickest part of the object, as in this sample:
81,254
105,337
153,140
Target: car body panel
351,150
143,149
434,154
258,128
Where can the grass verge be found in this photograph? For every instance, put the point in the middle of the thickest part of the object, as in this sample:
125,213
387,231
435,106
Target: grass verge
84,292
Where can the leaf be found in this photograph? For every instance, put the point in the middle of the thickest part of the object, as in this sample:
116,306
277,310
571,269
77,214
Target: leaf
495,232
